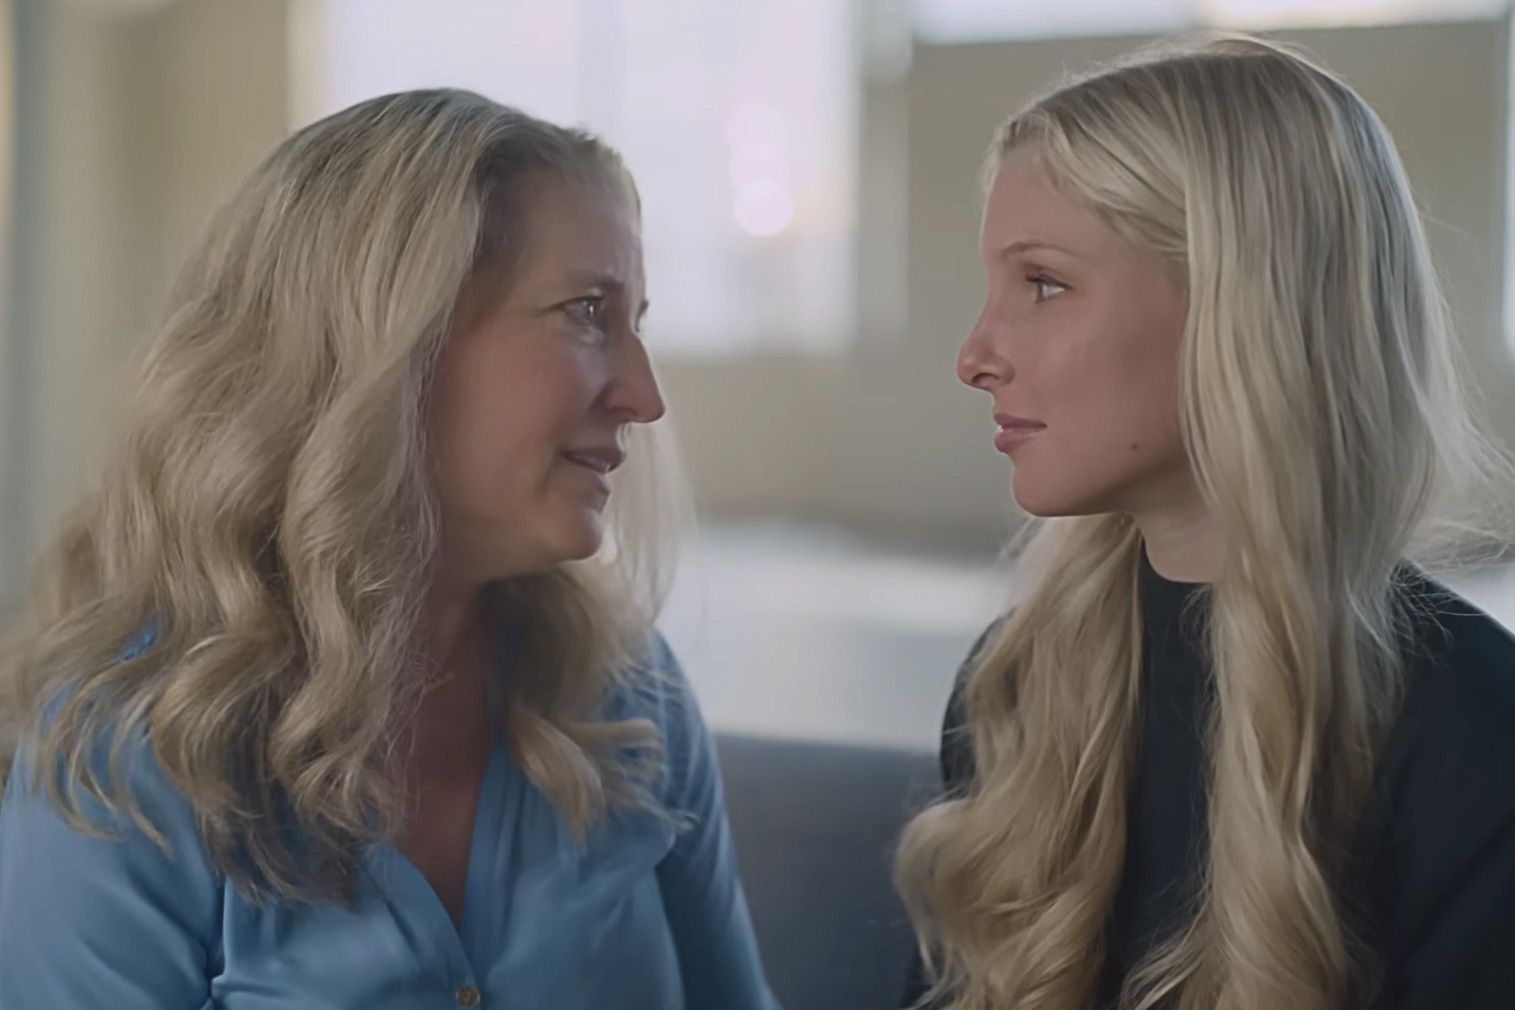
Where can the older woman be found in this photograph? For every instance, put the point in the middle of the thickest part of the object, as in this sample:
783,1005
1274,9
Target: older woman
341,689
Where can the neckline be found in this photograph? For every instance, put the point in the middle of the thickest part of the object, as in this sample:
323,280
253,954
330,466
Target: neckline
1167,604
459,940
1151,575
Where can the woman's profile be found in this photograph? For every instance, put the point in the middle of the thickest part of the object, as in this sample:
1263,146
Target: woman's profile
341,688
1232,749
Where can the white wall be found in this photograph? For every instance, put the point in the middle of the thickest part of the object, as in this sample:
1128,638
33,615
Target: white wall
8,483
130,129
70,242
211,93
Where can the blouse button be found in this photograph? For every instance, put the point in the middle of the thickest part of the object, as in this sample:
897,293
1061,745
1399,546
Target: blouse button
468,996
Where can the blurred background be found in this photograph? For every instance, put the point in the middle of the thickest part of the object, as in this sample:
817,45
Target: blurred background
808,170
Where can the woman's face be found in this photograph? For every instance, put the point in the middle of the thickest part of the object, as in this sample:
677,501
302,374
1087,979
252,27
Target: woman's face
1078,345
536,386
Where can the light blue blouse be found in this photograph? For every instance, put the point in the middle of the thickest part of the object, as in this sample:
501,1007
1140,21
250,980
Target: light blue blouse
644,916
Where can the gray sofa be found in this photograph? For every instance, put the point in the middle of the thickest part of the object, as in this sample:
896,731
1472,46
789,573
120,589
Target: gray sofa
815,828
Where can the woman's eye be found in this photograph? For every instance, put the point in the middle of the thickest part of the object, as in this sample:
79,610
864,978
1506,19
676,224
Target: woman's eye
587,311
1046,287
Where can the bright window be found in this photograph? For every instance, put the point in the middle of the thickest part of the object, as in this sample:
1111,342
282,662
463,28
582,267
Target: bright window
950,21
739,121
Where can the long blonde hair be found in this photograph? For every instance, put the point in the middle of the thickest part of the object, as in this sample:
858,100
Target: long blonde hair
1324,421
267,530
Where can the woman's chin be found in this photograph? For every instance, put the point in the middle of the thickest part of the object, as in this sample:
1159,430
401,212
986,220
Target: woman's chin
581,537
1050,503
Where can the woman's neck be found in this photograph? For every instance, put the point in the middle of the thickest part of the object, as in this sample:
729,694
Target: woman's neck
452,727
1185,543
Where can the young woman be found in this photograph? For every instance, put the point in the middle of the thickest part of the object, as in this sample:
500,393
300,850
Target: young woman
341,690
1231,750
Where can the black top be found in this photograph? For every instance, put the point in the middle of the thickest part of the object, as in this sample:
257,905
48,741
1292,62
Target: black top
1435,851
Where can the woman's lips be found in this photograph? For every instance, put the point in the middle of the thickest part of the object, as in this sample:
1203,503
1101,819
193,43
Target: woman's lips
1015,432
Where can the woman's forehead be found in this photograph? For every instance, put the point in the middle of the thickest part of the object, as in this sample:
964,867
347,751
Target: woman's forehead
1024,209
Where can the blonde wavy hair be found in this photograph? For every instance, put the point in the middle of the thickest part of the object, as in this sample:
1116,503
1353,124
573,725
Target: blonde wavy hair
268,517
1326,425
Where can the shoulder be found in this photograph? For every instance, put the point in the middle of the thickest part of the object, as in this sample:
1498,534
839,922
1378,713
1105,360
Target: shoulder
653,687
957,745
1443,795
97,740
144,806
113,750
108,907
1439,831
1459,701
142,849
